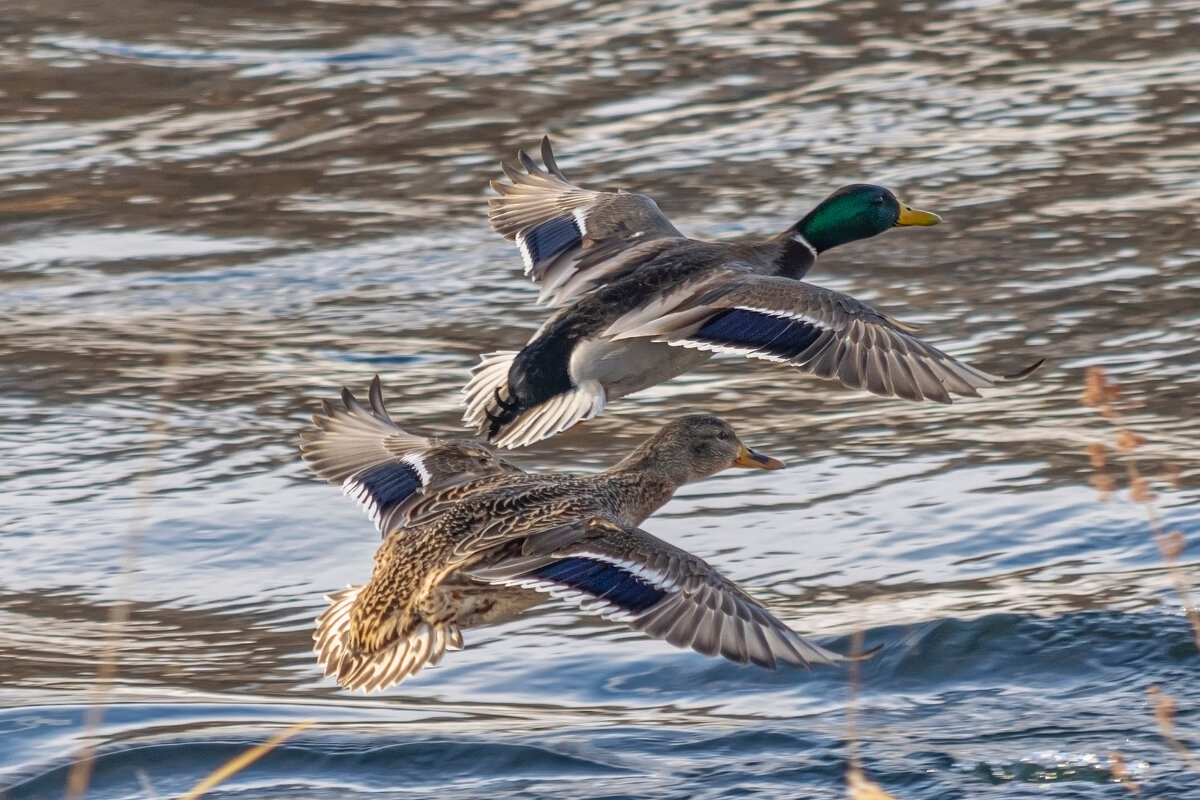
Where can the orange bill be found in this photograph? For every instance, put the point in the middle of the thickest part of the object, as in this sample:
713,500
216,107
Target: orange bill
751,459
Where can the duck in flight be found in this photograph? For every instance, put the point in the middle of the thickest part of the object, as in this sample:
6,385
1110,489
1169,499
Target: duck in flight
470,539
644,303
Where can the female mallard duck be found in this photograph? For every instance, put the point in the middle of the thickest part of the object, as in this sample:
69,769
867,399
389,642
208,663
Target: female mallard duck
470,539
650,304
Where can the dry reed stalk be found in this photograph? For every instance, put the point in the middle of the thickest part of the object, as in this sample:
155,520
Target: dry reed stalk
80,772
1105,395
1164,715
79,775
858,785
1116,765
245,759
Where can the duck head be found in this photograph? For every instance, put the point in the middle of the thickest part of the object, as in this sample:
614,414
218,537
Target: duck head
694,447
855,212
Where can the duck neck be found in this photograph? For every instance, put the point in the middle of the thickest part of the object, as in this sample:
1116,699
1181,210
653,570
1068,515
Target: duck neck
796,255
644,484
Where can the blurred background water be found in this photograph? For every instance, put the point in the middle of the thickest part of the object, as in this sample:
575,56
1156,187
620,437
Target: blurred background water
216,213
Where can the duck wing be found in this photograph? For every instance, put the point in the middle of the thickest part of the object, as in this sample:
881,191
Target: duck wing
572,239
817,330
622,573
384,467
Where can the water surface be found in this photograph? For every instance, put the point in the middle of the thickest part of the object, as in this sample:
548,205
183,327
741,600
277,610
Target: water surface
216,213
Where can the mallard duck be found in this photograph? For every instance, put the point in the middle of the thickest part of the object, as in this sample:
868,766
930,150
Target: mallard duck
648,303
470,539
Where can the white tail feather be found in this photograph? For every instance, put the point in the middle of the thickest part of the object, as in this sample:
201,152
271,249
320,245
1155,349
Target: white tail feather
488,377
489,380
553,416
372,672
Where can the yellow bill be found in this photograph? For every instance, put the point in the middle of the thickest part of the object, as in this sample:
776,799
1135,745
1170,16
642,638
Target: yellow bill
915,216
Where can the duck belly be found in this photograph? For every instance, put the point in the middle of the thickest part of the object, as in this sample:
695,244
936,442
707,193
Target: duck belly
479,603
630,365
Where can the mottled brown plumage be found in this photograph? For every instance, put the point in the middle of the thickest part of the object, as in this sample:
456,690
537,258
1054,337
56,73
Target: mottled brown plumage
471,539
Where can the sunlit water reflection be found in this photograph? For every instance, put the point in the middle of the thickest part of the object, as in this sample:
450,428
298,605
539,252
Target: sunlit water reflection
215,214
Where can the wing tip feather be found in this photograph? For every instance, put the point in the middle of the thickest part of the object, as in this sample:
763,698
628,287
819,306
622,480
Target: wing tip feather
1022,374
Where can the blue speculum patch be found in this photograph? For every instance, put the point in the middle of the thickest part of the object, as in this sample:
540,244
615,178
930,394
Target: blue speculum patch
779,336
601,579
390,484
552,238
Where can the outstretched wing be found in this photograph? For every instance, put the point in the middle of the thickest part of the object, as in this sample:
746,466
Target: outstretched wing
571,239
816,330
623,573
384,467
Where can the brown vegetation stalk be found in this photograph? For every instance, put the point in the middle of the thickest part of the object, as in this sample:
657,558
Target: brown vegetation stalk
858,785
1105,394
79,775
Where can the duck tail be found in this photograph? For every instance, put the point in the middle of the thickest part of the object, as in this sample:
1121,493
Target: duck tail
494,412
487,396
379,668
520,427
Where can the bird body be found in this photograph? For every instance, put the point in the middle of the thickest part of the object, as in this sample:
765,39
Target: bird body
637,290
571,355
470,539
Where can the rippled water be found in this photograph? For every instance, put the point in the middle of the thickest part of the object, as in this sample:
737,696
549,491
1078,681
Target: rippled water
214,213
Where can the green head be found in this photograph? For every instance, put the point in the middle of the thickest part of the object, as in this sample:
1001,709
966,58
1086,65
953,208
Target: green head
855,212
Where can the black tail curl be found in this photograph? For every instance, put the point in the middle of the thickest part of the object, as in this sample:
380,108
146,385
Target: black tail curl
508,409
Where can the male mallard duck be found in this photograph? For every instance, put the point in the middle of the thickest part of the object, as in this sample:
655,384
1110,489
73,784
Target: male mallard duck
649,304
470,539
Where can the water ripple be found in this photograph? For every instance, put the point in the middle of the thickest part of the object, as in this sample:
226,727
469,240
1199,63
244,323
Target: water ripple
212,219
